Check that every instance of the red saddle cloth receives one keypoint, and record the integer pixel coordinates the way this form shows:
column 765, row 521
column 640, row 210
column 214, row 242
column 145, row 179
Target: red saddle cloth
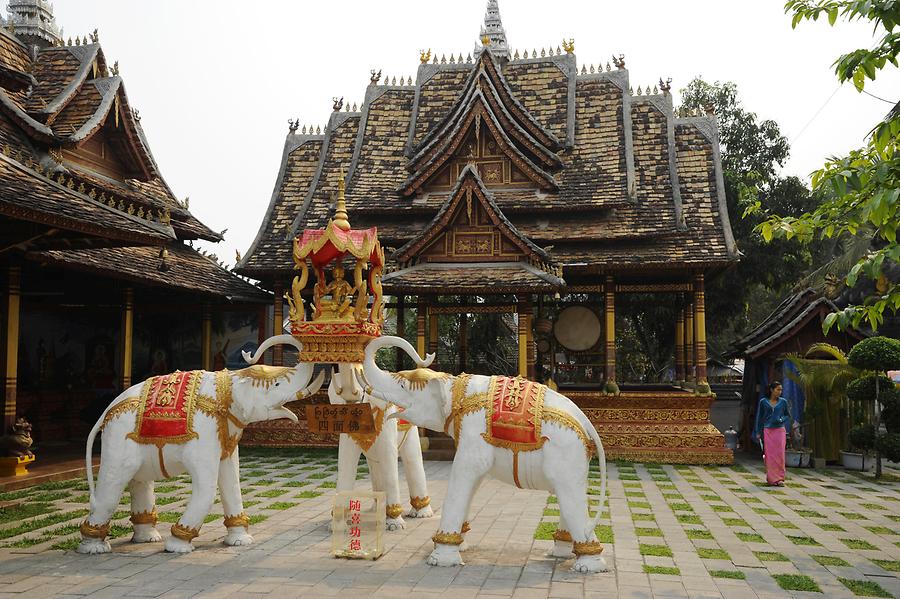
column 166, row 411
column 514, row 413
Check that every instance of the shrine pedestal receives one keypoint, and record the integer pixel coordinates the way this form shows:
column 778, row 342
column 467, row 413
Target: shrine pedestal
column 667, row 426
column 285, row 433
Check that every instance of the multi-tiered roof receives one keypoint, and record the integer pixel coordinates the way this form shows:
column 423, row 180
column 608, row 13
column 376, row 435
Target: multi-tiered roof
column 506, row 174
column 78, row 184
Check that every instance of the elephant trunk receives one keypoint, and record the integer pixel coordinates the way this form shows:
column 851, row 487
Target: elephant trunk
column 383, row 384
column 276, row 340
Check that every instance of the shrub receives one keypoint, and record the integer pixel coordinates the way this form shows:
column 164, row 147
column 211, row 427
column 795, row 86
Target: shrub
column 876, row 353
column 862, row 437
column 863, row 388
column 889, row 446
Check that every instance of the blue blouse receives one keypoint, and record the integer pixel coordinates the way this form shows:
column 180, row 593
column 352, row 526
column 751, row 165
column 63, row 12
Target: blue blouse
column 772, row 417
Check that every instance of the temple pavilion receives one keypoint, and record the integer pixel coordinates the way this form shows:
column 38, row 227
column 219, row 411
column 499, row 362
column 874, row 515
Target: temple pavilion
column 540, row 190
column 101, row 284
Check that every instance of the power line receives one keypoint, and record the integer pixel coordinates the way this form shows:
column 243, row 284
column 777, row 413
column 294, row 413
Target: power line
column 821, row 108
column 876, row 97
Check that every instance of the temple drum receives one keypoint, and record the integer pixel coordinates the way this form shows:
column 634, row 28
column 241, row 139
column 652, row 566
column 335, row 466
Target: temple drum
column 577, row 328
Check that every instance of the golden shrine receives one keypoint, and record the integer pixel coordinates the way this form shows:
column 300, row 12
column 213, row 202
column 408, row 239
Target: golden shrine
column 342, row 321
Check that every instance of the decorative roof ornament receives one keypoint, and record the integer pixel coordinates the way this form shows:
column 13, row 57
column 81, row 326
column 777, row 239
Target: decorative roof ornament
column 569, row 46
column 494, row 32
column 373, row 79
column 665, row 86
column 338, row 103
column 34, row 22
column 619, row 62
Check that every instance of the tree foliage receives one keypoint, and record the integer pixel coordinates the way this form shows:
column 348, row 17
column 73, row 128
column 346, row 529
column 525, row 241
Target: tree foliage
column 863, row 187
column 752, row 150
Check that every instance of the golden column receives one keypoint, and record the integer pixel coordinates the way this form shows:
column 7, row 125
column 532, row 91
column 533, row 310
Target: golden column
column 463, row 342
column 278, row 323
column 433, row 332
column 689, row 374
column 206, row 337
column 609, row 290
column 679, row 347
column 127, row 336
column 13, row 291
column 700, row 333
column 421, row 310
column 401, row 330
column 523, row 341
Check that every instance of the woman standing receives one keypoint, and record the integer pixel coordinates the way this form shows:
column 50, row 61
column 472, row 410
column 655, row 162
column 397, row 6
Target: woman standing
column 773, row 424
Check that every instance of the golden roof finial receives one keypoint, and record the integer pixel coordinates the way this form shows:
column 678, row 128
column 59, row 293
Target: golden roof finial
column 485, row 40
column 341, row 219
column 569, row 46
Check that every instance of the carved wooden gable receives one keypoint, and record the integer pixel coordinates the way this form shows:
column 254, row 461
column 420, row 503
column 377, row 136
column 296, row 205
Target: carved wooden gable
column 470, row 228
column 495, row 167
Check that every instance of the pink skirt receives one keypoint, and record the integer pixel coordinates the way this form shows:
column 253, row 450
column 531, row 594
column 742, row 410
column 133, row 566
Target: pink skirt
column 774, row 440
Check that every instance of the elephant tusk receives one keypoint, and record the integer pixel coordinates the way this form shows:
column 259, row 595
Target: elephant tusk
column 313, row 387
column 276, row 340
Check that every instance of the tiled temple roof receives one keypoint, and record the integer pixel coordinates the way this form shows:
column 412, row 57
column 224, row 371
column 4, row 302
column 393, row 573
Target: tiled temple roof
column 629, row 184
column 55, row 101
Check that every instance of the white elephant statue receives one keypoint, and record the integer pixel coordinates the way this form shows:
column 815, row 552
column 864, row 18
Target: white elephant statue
column 515, row 430
column 186, row 422
column 381, row 449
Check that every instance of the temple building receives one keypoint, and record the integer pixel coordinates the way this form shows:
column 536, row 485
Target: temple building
column 529, row 188
column 101, row 284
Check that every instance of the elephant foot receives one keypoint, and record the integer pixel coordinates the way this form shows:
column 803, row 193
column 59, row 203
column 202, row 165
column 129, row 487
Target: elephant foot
column 238, row 536
column 145, row 533
column 445, row 556
column 176, row 545
column 561, row 549
column 590, row 563
column 93, row 546
column 425, row 512
column 394, row 523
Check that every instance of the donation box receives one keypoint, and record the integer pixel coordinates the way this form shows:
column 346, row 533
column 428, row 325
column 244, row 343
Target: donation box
column 357, row 529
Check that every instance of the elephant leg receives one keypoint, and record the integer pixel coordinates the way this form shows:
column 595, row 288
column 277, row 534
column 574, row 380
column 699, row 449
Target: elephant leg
column 203, row 492
column 389, row 475
column 465, row 474
column 236, row 521
column 414, row 468
column 348, row 460
column 143, row 512
column 562, row 540
column 112, row 479
column 573, row 508
column 464, row 531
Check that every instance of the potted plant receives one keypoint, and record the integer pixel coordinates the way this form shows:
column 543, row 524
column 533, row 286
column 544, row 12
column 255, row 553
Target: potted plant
column 861, row 439
column 875, row 356
column 797, row 455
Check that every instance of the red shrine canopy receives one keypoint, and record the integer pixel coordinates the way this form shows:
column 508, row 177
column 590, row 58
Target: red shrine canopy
column 325, row 245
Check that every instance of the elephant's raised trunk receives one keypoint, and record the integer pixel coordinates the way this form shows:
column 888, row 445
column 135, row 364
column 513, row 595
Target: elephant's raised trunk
column 276, row 340
column 383, row 384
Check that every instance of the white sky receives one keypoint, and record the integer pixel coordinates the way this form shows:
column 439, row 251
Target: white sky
column 216, row 80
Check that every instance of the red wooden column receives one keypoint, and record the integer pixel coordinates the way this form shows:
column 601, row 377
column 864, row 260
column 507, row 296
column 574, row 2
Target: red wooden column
column 13, row 295
column 679, row 347
column 690, row 375
column 421, row 314
column 700, row 333
column 609, row 290
column 127, row 336
column 277, row 320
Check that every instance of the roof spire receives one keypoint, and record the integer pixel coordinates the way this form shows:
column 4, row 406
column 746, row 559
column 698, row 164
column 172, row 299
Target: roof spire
column 341, row 219
column 493, row 31
column 34, row 22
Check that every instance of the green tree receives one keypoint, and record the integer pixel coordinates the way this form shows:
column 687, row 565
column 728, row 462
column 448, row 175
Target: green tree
column 864, row 186
column 752, row 151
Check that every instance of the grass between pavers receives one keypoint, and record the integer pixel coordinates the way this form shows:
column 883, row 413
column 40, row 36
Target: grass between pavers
column 864, row 588
column 271, row 493
column 280, row 505
column 880, row 530
column 545, row 530
column 858, row 544
column 733, row 574
column 306, row 495
column 750, row 537
column 887, row 564
column 38, row 523
column 671, row 570
column 735, row 522
column 296, row 483
column 810, row 514
column 805, row 541
column 637, row 516
column 796, row 582
column 698, row 533
column 707, row 553
column 770, row 556
column 648, row 532
column 830, row 526
column 21, row 511
column 319, row 475
column 689, row 519
column 830, row 560
column 655, row 550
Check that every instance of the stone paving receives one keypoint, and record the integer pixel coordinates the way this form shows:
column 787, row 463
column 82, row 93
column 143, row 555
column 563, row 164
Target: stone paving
column 674, row 531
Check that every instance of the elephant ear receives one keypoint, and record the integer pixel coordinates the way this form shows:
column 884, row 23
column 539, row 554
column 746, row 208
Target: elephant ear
column 262, row 375
column 418, row 379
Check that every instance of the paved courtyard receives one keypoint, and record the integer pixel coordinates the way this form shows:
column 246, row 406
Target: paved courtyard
column 674, row 531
